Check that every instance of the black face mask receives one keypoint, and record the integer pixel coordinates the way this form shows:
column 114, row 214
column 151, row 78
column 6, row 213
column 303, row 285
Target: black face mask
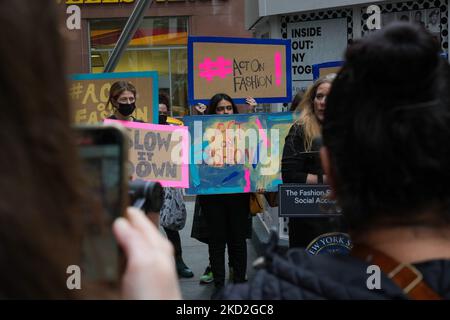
column 162, row 119
column 126, row 109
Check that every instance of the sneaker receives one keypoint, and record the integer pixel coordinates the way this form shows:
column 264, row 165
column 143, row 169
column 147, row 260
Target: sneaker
column 207, row 276
column 183, row 270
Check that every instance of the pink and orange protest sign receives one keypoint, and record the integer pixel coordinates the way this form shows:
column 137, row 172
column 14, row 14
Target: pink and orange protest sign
column 239, row 67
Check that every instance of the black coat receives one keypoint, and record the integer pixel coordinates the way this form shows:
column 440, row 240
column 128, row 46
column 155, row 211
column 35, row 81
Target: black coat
column 200, row 229
column 296, row 163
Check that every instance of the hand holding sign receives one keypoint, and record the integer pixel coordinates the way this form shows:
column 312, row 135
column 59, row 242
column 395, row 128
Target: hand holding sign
column 200, row 107
column 252, row 102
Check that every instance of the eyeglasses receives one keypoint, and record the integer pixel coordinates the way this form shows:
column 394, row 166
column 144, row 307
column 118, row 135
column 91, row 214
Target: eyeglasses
column 222, row 108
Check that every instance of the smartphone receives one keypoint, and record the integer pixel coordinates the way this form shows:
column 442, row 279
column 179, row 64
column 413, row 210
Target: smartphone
column 104, row 154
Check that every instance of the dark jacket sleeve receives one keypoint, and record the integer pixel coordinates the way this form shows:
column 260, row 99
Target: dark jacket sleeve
column 293, row 160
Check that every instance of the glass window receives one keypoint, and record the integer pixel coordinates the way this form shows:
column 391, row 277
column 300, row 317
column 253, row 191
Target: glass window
column 158, row 45
column 105, row 33
column 98, row 60
column 178, row 58
column 153, row 32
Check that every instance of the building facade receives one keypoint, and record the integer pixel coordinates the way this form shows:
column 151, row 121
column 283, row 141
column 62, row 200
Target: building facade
column 159, row 44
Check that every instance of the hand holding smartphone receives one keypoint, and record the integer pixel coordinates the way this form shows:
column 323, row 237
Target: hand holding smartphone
column 104, row 154
column 103, row 150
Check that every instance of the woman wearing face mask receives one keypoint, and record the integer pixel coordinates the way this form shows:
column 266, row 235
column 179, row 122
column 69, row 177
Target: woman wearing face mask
column 122, row 97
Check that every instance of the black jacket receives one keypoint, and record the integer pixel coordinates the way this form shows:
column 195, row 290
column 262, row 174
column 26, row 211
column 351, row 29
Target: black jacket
column 297, row 275
column 296, row 163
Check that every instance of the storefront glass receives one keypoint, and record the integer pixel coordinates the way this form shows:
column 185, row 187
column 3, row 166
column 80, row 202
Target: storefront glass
column 158, row 45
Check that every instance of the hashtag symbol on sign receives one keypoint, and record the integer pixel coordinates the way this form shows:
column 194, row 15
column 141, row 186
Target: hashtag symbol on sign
column 76, row 90
column 210, row 69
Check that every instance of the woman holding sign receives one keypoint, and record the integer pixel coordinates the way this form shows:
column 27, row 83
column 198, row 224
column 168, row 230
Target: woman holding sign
column 122, row 97
column 301, row 164
column 227, row 216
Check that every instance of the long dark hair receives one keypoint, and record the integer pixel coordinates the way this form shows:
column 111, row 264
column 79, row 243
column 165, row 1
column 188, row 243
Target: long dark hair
column 215, row 101
column 387, row 129
column 40, row 217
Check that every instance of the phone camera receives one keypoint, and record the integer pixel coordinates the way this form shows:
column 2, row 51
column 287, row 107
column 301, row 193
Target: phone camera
column 146, row 195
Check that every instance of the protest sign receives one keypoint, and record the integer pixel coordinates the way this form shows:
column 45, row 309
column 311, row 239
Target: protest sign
column 322, row 69
column 158, row 153
column 89, row 95
column 238, row 153
column 305, row 200
column 239, row 67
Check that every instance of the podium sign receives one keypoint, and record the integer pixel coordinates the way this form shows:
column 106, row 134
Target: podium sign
column 305, row 200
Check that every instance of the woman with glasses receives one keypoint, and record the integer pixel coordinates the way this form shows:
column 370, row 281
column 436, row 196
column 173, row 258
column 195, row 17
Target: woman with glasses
column 300, row 162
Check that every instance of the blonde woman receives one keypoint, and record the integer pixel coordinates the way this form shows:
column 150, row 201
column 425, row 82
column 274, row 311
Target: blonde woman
column 301, row 163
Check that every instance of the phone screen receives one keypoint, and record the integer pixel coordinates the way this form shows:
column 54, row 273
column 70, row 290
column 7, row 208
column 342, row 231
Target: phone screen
column 102, row 152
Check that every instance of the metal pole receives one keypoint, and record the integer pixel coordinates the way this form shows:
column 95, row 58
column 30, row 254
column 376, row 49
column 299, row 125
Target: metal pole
column 127, row 33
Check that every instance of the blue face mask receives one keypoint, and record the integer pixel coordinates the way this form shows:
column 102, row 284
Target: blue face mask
column 126, row 109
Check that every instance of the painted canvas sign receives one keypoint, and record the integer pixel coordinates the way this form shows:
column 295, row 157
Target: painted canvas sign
column 236, row 153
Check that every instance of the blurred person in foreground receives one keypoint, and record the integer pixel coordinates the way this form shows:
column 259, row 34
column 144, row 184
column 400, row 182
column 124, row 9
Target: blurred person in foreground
column 41, row 216
column 386, row 156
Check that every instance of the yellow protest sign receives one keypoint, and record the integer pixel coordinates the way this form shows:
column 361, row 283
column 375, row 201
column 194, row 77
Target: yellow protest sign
column 89, row 94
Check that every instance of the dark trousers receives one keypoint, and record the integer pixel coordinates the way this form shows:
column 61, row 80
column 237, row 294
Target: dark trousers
column 174, row 238
column 227, row 220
